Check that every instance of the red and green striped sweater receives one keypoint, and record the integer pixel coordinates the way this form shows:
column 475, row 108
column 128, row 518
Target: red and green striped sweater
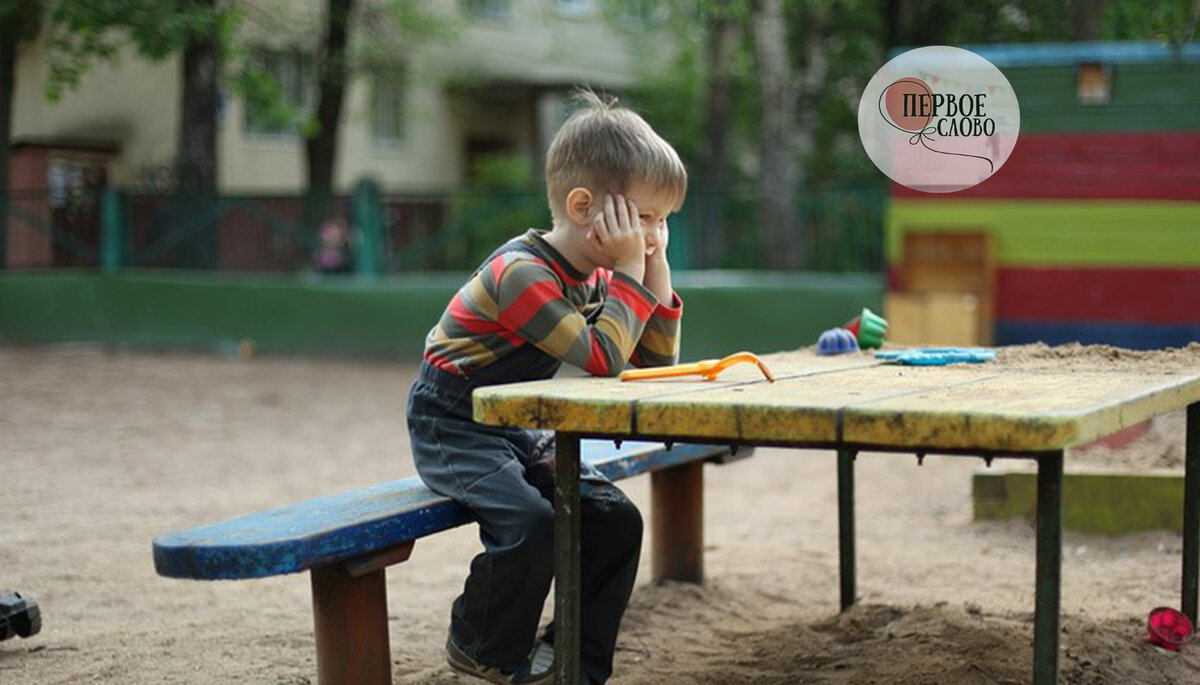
column 532, row 295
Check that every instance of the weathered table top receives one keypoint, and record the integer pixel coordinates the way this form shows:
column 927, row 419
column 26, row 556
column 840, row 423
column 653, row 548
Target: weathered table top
column 855, row 400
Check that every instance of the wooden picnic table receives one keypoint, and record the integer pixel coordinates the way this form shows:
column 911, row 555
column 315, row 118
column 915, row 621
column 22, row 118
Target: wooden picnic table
column 853, row 403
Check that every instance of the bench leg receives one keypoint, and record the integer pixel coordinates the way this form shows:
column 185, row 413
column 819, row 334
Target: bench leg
column 677, row 523
column 351, row 627
column 1191, row 514
column 1049, row 570
column 846, row 533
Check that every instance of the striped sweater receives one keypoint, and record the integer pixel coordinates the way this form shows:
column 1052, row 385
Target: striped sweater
column 532, row 295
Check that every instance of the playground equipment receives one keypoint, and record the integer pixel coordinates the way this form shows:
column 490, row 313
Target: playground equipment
column 19, row 616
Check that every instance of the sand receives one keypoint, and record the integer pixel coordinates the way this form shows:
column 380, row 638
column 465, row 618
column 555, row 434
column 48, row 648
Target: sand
column 100, row 451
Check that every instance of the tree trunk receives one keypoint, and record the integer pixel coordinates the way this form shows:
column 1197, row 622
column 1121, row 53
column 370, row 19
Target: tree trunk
column 723, row 36
column 782, row 246
column 321, row 148
column 1089, row 19
column 196, row 157
column 8, row 68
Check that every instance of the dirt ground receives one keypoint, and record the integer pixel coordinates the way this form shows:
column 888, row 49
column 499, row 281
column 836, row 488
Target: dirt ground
column 100, row 451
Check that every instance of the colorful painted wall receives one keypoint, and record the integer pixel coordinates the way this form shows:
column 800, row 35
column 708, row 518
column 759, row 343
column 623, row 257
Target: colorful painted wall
column 1095, row 217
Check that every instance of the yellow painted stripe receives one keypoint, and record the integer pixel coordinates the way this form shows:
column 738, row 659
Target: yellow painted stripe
column 1060, row 232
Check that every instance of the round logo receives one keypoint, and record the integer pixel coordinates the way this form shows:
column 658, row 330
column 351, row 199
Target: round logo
column 939, row 119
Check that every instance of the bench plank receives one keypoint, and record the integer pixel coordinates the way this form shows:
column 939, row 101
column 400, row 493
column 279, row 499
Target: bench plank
column 300, row 536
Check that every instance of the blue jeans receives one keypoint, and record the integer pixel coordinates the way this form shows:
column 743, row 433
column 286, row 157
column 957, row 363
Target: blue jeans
column 504, row 477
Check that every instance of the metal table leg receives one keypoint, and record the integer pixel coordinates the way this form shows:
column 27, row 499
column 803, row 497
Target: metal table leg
column 566, row 558
column 846, row 527
column 1049, row 569
column 1191, row 514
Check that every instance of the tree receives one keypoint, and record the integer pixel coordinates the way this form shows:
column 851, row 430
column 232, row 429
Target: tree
column 723, row 32
column 321, row 147
column 782, row 247
column 20, row 21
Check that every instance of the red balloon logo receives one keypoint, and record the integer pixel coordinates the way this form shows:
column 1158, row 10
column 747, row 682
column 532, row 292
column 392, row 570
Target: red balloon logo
column 895, row 102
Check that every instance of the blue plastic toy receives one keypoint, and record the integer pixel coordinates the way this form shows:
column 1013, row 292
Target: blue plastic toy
column 837, row 341
column 937, row 356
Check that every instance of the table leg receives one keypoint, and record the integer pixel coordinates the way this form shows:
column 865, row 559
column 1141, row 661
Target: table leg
column 566, row 558
column 846, row 527
column 1049, row 569
column 1191, row 514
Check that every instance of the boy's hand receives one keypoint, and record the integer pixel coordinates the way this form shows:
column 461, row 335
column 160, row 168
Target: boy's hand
column 657, row 238
column 617, row 233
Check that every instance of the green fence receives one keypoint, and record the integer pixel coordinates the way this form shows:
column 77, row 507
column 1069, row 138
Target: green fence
column 372, row 233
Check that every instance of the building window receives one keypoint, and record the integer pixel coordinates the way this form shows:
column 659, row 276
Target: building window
column 1094, row 83
column 487, row 9
column 282, row 103
column 387, row 106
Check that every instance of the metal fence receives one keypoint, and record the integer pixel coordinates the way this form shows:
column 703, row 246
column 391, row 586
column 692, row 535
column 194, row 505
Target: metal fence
column 370, row 232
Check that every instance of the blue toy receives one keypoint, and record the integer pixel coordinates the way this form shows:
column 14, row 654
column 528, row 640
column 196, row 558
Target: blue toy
column 837, row 341
column 937, row 356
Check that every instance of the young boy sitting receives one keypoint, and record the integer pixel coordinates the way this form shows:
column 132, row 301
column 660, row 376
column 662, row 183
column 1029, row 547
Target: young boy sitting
column 595, row 292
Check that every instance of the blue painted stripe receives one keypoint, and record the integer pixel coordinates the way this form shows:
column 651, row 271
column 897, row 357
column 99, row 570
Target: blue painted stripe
column 297, row 537
column 1041, row 54
column 1137, row 336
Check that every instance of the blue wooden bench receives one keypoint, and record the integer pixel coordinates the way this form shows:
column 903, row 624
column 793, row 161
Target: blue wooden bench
column 347, row 541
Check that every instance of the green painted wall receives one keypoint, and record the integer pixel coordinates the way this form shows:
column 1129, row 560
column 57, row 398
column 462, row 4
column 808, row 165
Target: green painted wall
column 1060, row 232
column 1145, row 97
column 723, row 312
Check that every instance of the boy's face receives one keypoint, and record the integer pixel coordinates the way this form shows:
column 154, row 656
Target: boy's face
column 653, row 207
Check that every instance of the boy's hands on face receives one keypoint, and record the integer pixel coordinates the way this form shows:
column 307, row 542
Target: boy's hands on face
column 657, row 237
column 616, row 232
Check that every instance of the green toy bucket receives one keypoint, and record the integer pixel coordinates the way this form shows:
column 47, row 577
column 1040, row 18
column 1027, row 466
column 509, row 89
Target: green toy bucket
column 868, row 328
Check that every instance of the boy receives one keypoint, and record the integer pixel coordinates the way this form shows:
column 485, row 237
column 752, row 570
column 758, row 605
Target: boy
column 595, row 292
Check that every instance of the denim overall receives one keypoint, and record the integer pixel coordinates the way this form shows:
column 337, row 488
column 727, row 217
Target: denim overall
column 502, row 477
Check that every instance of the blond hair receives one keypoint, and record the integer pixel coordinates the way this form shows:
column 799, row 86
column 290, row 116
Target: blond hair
column 606, row 148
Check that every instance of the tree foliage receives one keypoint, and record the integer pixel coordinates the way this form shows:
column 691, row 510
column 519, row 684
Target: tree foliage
column 80, row 33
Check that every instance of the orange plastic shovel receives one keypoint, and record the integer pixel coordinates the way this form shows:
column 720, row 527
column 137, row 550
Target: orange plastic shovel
column 709, row 368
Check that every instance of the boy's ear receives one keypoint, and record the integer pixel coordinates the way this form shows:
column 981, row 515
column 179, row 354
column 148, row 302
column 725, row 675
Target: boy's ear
column 579, row 205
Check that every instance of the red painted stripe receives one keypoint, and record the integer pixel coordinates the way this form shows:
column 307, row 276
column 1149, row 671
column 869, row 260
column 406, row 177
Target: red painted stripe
column 1148, row 166
column 1152, row 296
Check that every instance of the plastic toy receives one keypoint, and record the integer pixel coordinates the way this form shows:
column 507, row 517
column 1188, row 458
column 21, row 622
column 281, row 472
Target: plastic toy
column 709, row 368
column 19, row 616
column 868, row 328
column 1169, row 628
column 937, row 356
column 836, row 341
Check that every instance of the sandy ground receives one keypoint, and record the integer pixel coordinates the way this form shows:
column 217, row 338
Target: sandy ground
column 101, row 451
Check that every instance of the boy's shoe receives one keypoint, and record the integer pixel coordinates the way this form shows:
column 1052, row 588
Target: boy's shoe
column 459, row 660
column 542, row 659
